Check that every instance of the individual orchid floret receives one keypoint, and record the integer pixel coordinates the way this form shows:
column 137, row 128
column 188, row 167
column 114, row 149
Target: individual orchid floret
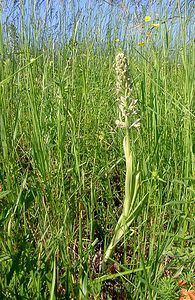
column 120, row 124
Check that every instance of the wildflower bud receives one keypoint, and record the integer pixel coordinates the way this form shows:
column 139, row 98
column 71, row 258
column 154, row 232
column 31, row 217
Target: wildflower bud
column 122, row 80
column 127, row 106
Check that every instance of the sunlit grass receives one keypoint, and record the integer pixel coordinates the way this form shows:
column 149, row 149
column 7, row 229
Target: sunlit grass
column 62, row 166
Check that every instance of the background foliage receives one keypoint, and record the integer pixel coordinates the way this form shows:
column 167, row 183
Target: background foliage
column 62, row 167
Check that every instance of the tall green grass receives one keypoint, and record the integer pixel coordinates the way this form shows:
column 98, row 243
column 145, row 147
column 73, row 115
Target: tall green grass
column 62, row 166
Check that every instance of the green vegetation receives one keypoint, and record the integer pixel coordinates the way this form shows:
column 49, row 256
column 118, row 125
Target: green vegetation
column 63, row 170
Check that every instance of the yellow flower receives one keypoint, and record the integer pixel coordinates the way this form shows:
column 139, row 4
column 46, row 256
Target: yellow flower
column 141, row 44
column 156, row 25
column 147, row 18
column 117, row 41
column 149, row 34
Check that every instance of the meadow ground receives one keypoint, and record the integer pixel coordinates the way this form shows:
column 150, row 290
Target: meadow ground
column 63, row 168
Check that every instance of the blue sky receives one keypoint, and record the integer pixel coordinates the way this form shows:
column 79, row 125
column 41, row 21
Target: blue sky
column 89, row 16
